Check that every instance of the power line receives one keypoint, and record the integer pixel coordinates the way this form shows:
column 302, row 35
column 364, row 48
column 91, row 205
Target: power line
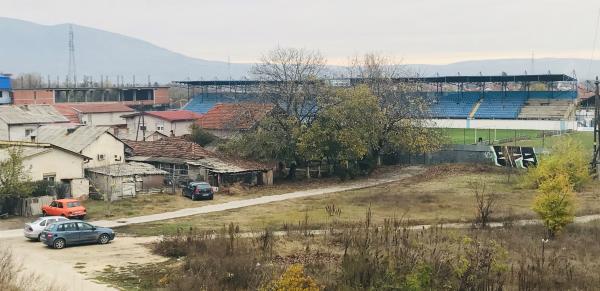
column 72, row 67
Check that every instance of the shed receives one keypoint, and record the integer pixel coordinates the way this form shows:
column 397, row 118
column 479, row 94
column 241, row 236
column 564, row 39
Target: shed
column 126, row 180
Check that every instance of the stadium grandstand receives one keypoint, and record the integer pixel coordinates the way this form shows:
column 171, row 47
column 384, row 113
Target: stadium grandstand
column 454, row 97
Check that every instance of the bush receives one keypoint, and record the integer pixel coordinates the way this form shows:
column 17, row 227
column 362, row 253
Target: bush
column 293, row 279
column 555, row 204
column 201, row 136
column 568, row 157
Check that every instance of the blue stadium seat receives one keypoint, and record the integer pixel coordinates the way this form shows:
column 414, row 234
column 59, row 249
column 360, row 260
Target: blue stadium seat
column 202, row 103
column 454, row 104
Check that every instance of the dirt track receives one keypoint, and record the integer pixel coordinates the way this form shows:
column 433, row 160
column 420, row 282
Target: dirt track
column 80, row 264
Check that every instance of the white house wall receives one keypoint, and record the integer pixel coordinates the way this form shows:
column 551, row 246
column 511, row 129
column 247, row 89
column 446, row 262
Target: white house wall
column 103, row 119
column 54, row 162
column 152, row 123
column 107, row 145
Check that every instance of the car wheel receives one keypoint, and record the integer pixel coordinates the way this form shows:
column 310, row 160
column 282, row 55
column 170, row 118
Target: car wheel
column 103, row 239
column 39, row 237
column 44, row 213
column 59, row 243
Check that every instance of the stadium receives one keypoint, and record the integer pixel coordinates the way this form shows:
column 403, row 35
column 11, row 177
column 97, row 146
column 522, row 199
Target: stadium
column 519, row 102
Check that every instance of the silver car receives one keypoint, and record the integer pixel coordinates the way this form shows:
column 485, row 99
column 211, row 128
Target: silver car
column 33, row 230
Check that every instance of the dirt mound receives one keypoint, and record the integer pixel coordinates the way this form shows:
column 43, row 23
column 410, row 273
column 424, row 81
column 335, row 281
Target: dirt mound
column 444, row 170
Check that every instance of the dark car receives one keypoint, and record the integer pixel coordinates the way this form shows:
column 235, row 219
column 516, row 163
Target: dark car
column 198, row 190
column 72, row 232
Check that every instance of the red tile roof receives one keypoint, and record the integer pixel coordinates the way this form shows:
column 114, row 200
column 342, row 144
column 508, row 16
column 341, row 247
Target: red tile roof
column 234, row 116
column 173, row 115
column 171, row 147
column 68, row 112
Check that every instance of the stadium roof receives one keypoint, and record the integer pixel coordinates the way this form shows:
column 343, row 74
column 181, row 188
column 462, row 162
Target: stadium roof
column 437, row 79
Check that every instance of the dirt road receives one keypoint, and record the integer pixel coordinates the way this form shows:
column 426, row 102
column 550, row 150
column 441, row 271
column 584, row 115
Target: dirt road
column 74, row 268
column 79, row 265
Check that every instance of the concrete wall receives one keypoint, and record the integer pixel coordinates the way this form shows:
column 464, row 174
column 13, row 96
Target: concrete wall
column 33, row 96
column 54, row 162
column 107, row 145
column 477, row 154
column 116, row 186
column 103, row 119
column 80, row 188
column 505, row 124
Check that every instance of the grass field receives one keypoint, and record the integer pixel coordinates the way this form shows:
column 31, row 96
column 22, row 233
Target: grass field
column 586, row 138
column 470, row 136
column 444, row 196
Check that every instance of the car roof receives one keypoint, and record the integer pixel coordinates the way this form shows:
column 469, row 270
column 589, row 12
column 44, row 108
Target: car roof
column 72, row 220
column 66, row 200
column 53, row 217
column 199, row 183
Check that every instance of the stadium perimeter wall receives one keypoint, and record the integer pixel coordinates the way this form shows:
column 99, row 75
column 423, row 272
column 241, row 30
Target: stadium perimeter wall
column 505, row 124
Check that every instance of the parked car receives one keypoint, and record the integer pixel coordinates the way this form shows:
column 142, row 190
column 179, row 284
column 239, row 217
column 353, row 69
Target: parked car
column 70, row 208
column 33, row 230
column 198, row 190
column 61, row 234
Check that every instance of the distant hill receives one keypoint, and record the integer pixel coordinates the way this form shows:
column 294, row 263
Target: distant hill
column 29, row 47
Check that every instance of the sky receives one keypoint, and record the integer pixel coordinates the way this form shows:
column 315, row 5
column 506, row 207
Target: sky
column 411, row 31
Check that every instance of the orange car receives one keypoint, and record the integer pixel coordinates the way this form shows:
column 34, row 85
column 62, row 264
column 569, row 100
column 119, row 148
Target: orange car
column 70, row 208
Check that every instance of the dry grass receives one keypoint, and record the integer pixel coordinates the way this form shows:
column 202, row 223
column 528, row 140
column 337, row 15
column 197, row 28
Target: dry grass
column 440, row 195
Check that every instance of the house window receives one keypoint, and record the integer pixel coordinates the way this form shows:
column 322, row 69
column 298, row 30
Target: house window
column 28, row 132
column 100, row 157
column 49, row 177
column 117, row 158
column 160, row 127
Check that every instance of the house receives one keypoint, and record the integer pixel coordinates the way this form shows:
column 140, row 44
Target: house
column 185, row 160
column 225, row 120
column 126, row 179
column 170, row 123
column 44, row 161
column 99, row 114
column 125, row 134
column 19, row 123
column 95, row 142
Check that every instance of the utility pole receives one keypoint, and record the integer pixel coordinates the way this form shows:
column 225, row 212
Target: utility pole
column 72, row 66
column 596, row 129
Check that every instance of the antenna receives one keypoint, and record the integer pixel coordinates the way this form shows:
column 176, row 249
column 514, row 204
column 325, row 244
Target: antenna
column 72, row 68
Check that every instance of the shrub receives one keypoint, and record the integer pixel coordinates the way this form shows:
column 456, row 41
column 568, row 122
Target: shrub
column 293, row 279
column 555, row 204
column 568, row 157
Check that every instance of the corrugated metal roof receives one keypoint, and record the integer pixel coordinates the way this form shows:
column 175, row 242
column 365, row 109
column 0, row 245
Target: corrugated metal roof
column 127, row 169
column 172, row 115
column 4, row 82
column 31, row 114
column 74, row 138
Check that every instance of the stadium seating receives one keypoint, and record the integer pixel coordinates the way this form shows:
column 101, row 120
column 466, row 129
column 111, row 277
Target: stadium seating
column 454, row 105
column 501, row 105
column 202, row 103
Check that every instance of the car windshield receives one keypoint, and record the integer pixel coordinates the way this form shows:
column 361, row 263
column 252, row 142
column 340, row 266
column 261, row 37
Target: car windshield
column 73, row 204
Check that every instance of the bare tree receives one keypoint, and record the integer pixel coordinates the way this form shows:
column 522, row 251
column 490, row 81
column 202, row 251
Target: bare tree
column 484, row 202
column 406, row 124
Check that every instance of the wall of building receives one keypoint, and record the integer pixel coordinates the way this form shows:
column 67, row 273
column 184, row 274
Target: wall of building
column 80, row 188
column 3, row 130
column 61, row 164
column 5, row 97
column 18, row 131
column 165, row 127
column 33, row 96
column 103, row 119
column 161, row 96
column 505, row 124
column 107, row 145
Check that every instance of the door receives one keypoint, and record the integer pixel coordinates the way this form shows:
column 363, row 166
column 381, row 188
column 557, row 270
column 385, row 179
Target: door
column 86, row 232
column 71, row 234
column 54, row 209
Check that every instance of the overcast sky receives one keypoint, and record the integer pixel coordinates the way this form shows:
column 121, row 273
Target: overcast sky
column 414, row 31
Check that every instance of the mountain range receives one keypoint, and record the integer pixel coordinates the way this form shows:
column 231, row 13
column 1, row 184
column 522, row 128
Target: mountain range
column 29, row 47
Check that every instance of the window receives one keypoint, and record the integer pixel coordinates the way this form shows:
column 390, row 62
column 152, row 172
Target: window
column 100, row 157
column 160, row 127
column 70, row 226
column 28, row 132
column 84, row 226
column 50, row 221
column 53, row 204
column 73, row 204
column 43, row 223
column 49, row 177
column 59, row 205
column 61, row 228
